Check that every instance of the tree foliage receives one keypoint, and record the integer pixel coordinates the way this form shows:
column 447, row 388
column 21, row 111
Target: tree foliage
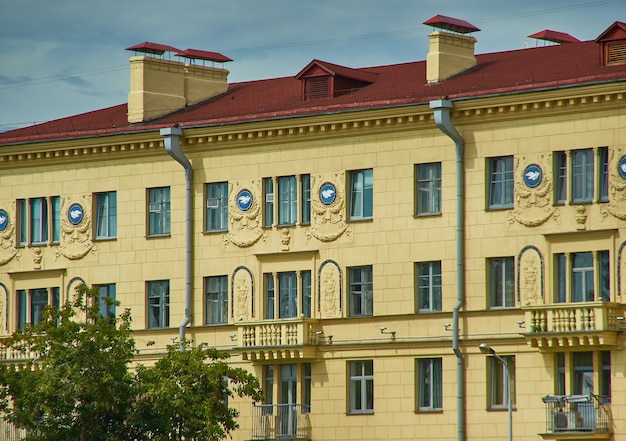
column 76, row 382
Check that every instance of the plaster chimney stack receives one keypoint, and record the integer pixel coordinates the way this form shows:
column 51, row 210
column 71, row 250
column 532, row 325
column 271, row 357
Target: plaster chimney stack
column 159, row 86
column 450, row 50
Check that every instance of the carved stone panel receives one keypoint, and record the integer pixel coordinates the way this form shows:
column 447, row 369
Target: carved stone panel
column 75, row 227
column 328, row 207
column 244, row 213
column 530, row 276
column 617, row 185
column 330, row 299
column 242, row 294
column 7, row 235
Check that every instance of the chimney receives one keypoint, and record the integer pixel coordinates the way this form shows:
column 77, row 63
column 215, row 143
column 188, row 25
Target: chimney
column 159, row 86
column 450, row 50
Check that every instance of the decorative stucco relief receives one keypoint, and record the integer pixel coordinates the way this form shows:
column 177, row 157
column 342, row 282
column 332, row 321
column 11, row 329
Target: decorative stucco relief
column 4, row 315
column 617, row 186
column 329, row 298
column 530, row 276
column 243, row 294
column 75, row 228
column 533, row 192
column 327, row 208
column 244, row 214
column 7, row 239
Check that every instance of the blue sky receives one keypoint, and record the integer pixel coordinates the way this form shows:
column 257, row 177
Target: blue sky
column 65, row 57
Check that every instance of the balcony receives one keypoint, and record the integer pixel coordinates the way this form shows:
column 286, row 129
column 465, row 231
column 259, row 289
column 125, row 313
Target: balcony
column 576, row 417
column 275, row 340
column 280, row 422
column 559, row 326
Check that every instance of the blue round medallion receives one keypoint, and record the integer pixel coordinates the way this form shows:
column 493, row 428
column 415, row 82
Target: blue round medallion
column 4, row 220
column 244, row 200
column 75, row 214
column 533, row 175
column 621, row 167
column 327, row 193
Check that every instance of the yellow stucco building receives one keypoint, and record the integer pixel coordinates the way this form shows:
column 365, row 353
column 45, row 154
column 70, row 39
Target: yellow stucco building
column 353, row 235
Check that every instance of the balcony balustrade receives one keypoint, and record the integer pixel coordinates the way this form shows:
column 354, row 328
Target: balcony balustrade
column 278, row 339
column 574, row 416
column 280, row 422
column 572, row 325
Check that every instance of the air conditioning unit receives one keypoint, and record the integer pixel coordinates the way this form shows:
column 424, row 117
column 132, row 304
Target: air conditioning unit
column 269, row 198
column 212, row 203
column 566, row 421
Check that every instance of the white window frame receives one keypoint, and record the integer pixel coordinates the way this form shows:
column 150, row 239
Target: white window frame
column 106, row 215
column 428, row 188
column 361, row 193
column 501, row 185
column 216, row 206
column 158, row 294
column 159, row 211
column 430, row 383
column 429, row 286
column 361, row 386
column 497, row 387
column 361, row 291
column 216, row 300
column 501, row 282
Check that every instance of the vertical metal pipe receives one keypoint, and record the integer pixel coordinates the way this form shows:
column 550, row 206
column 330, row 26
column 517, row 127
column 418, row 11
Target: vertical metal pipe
column 171, row 142
column 441, row 109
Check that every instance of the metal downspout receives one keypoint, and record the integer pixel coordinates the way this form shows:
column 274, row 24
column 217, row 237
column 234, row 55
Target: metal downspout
column 172, row 146
column 441, row 110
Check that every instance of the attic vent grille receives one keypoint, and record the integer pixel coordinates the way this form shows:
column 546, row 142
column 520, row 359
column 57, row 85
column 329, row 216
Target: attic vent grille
column 616, row 53
column 317, row 87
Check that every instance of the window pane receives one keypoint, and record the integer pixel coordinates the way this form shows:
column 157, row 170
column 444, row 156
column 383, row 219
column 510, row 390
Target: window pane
column 216, row 299
column 268, row 211
column 429, row 286
column 38, row 302
column 428, row 188
column 107, row 309
column 603, row 174
column 582, row 175
column 499, row 386
column 158, row 304
column 159, row 211
column 55, row 202
column 361, row 291
column 501, row 182
column 22, row 219
column 269, row 296
column 106, row 215
column 38, row 220
column 501, row 282
column 306, row 293
column 287, row 200
column 217, row 206
column 560, row 170
column 561, row 281
column 429, row 384
column 582, row 277
column 361, row 386
column 605, row 283
column 288, row 295
column 361, row 194
column 306, row 199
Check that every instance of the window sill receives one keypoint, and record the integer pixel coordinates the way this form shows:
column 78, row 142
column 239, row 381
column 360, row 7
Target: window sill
column 215, row 231
column 427, row 411
column 105, row 239
column 433, row 214
column 365, row 412
column 500, row 408
column 500, row 208
column 157, row 236
column 360, row 219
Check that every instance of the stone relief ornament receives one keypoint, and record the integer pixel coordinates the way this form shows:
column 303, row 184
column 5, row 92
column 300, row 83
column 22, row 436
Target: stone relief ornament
column 530, row 276
column 327, row 208
column 244, row 214
column 242, row 294
column 533, row 192
column 7, row 239
column 330, row 290
column 75, row 228
column 617, row 186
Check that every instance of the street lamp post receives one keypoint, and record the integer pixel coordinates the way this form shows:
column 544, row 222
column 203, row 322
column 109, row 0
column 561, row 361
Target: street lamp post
column 486, row 349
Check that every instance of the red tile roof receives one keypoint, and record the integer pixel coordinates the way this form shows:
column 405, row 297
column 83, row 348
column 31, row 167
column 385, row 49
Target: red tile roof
column 555, row 36
column 507, row 72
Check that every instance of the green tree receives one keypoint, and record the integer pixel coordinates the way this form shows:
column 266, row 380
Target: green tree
column 76, row 382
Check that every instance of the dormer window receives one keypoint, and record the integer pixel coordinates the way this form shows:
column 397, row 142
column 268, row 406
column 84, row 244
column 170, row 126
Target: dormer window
column 613, row 44
column 321, row 80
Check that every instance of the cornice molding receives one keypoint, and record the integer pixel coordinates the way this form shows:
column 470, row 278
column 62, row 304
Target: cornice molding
column 540, row 104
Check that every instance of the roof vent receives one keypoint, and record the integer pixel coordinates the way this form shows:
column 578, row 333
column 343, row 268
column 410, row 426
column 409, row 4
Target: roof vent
column 613, row 44
column 451, row 51
column 554, row 37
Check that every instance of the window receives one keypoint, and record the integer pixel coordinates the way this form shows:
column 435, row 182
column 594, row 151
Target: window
column 38, row 220
column 216, row 292
column 501, row 282
column 576, row 279
column 584, row 177
column 287, row 200
column 217, row 206
column 306, row 392
column 306, row 199
column 159, row 304
column 361, row 387
column 158, row 211
column 106, row 215
column 106, row 299
column 32, row 302
column 268, row 197
column 429, row 384
column 429, row 286
column 361, row 301
column 268, row 384
column 428, row 188
column 501, row 182
column 293, row 287
column 578, row 370
column 498, row 393
column 361, row 194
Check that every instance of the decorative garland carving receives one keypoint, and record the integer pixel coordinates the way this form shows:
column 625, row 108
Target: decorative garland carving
column 7, row 240
column 75, row 239
column 617, row 188
column 245, row 226
column 327, row 219
column 532, row 205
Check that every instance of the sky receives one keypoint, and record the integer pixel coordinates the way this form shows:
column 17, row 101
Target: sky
column 65, row 57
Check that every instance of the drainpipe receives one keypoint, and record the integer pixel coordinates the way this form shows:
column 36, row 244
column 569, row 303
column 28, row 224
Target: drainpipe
column 172, row 146
column 441, row 110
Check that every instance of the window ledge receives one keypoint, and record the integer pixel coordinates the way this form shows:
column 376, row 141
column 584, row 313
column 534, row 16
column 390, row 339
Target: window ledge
column 157, row 236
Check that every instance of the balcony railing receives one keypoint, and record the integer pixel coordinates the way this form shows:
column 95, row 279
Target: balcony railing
column 562, row 325
column 278, row 339
column 280, row 421
column 577, row 414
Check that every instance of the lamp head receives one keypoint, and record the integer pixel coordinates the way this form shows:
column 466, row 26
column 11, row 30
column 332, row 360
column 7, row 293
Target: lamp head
column 485, row 349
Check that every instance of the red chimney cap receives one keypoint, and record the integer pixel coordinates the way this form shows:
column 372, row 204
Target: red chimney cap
column 555, row 36
column 203, row 55
column 451, row 24
column 152, row 48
